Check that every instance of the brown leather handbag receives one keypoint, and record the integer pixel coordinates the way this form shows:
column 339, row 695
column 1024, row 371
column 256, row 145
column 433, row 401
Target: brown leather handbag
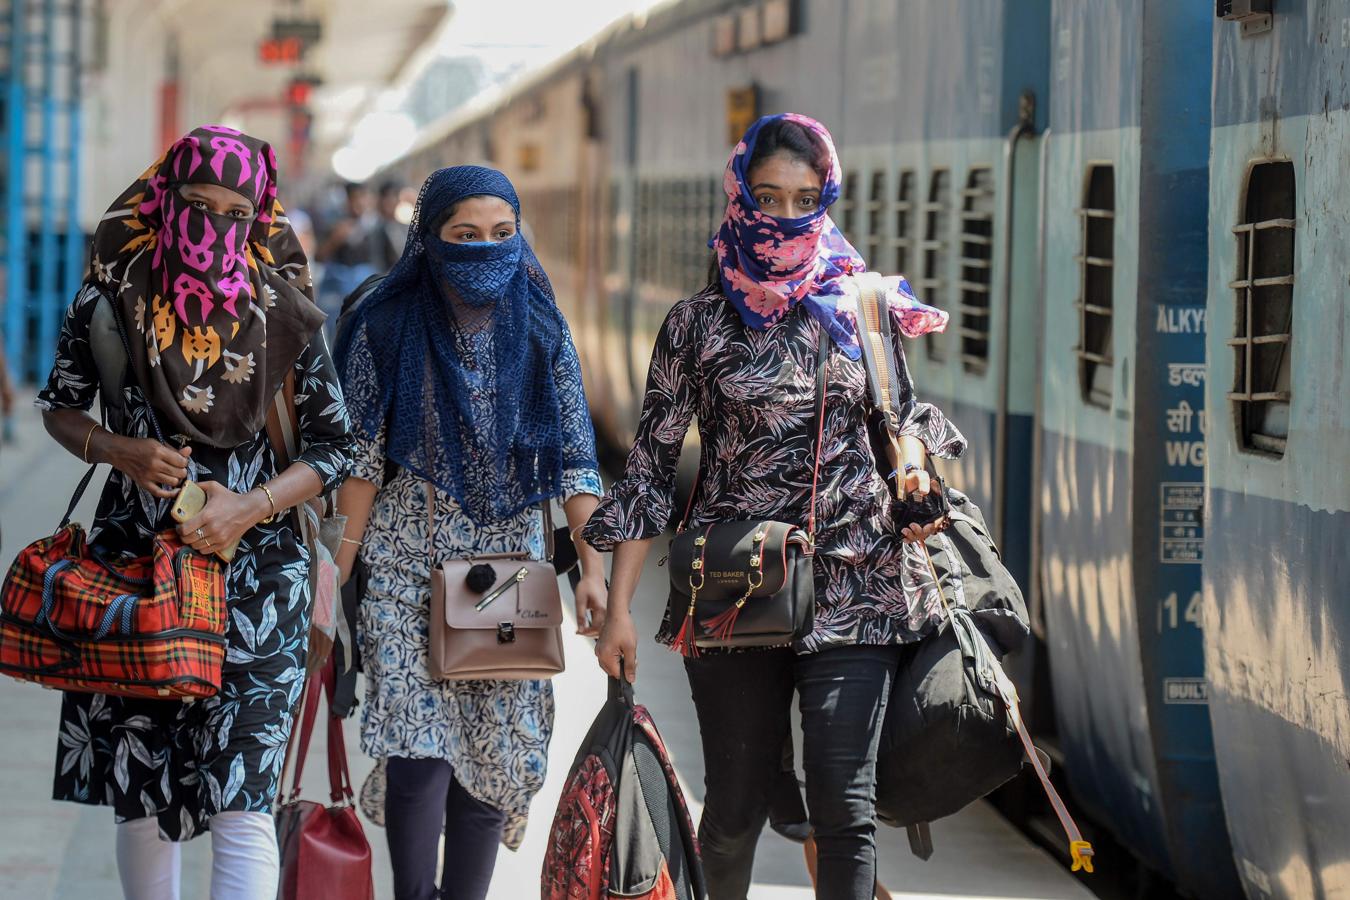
column 747, row 583
column 496, row 616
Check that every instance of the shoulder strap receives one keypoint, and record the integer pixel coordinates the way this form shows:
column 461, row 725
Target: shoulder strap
column 822, row 361
column 545, row 511
column 281, row 423
column 878, row 350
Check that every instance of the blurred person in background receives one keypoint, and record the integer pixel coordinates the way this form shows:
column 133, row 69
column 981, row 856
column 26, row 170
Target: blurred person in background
column 172, row 770
column 352, row 251
column 393, row 231
column 467, row 402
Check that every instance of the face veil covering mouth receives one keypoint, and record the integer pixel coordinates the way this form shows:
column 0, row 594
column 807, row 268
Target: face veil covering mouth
column 462, row 338
column 767, row 265
column 217, row 306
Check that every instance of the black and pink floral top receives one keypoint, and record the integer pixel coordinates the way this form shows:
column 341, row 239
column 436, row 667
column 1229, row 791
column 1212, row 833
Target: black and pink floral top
column 754, row 394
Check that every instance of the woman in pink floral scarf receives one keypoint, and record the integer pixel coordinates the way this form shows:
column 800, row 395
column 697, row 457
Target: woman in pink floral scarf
column 741, row 355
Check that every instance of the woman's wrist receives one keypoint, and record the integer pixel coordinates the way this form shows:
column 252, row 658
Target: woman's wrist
column 260, row 507
column 106, row 447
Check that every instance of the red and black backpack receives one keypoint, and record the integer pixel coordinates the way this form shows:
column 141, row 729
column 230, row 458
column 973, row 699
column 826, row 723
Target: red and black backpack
column 622, row 828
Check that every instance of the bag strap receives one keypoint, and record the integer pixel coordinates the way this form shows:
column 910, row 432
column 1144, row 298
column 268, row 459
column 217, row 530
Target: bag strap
column 103, row 405
column 822, row 362
column 339, row 775
column 545, row 512
column 878, row 350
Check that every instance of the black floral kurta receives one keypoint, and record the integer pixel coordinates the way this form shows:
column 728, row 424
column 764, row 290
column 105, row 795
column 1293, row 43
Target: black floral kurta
column 184, row 762
column 754, row 394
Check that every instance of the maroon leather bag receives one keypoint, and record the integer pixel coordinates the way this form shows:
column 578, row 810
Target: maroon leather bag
column 324, row 851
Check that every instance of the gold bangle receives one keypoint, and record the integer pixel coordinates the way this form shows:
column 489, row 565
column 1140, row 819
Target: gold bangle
column 87, row 438
column 272, row 501
column 347, row 540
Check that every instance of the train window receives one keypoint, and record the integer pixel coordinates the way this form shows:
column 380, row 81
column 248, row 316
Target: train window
column 876, row 202
column 1096, row 271
column 612, row 224
column 848, row 207
column 977, row 260
column 1265, row 309
column 936, row 212
column 901, row 235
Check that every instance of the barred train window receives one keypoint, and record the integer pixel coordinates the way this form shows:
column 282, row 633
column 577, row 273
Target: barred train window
column 1265, row 309
column 936, row 212
column 977, row 260
column 902, row 237
column 1095, row 302
column 876, row 201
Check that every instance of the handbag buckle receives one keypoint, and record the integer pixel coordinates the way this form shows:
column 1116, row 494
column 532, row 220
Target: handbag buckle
column 506, row 633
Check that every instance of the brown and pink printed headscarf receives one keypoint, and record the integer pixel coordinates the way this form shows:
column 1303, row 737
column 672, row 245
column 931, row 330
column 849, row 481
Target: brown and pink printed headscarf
column 222, row 304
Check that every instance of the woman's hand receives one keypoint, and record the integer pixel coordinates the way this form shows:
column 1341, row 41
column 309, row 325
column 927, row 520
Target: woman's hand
column 911, row 455
column 618, row 642
column 592, row 596
column 154, row 467
column 224, row 519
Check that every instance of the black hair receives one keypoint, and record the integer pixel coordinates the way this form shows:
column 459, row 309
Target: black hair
column 795, row 140
column 353, row 188
column 389, row 187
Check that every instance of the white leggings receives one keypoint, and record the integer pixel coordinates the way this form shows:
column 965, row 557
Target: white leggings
column 245, row 863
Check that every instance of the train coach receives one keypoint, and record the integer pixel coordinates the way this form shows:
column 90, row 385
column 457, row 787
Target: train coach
column 1132, row 210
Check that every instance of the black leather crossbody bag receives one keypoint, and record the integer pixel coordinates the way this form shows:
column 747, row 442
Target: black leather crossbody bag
column 747, row 583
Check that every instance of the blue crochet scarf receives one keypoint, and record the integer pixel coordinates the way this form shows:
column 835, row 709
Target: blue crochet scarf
column 464, row 339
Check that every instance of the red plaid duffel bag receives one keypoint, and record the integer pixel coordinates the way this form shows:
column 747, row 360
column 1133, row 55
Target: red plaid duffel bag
column 150, row 626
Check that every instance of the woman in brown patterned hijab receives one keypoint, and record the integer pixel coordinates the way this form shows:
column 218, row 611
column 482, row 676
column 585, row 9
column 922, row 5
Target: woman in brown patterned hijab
column 221, row 302
column 212, row 287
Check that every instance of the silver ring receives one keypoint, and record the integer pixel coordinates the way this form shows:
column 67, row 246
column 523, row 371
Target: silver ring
column 201, row 533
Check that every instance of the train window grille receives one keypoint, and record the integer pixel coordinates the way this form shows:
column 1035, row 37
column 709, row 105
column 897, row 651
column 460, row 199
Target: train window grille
column 977, row 260
column 876, row 207
column 902, row 223
column 1096, row 274
column 646, row 214
column 1265, row 308
column 931, row 286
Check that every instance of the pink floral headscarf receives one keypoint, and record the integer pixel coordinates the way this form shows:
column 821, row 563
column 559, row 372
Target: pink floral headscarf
column 769, row 265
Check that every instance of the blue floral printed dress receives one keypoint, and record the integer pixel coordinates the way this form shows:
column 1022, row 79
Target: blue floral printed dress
column 495, row 734
column 185, row 762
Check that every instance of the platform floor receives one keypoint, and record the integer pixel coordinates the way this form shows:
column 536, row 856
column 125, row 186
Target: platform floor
column 61, row 851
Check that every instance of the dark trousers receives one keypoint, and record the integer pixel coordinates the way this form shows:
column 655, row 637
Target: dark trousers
column 422, row 796
column 744, row 704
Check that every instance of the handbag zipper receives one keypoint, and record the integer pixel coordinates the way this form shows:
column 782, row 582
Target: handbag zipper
column 143, row 637
column 521, row 574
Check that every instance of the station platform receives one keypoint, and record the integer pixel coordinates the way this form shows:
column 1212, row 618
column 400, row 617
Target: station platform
column 63, row 851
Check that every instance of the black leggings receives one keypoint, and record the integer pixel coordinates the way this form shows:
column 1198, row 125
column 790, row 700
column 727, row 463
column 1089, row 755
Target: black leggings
column 422, row 796
column 744, row 703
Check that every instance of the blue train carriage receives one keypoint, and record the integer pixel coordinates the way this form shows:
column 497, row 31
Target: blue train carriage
column 1277, row 505
column 1122, row 414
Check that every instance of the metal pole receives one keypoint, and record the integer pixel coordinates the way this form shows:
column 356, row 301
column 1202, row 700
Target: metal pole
column 47, row 249
column 75, row 246
column 16, row 230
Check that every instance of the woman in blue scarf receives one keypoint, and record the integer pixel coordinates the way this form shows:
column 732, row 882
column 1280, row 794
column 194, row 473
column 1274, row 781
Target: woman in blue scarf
column 460, row 375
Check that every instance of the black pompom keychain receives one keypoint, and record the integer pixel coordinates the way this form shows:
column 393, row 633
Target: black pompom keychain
column 481, row 577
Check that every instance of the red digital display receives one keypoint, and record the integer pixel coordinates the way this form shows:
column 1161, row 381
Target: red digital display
column 274, row 51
